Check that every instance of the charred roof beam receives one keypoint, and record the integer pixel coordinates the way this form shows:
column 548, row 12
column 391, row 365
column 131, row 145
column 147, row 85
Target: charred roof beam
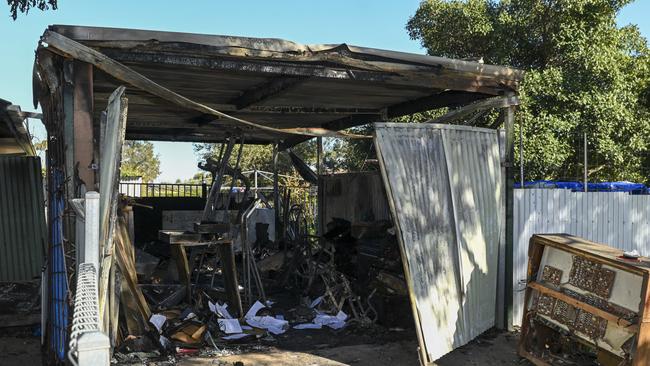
column 260, row 93
column 449, row 98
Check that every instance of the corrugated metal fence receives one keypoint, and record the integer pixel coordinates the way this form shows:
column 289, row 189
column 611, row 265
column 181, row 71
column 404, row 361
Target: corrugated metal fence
column 617, row 219
column 444, row 188
column 22, row 218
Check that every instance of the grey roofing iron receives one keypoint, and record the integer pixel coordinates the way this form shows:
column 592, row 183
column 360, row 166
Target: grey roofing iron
column 276, row 83
column 14, row 136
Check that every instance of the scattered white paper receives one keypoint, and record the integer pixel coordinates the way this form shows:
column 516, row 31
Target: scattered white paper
column 246, row 327
column 190, row 316
column 158, row 320
column 166, row 343
column 254, row 309
column 279, row 317
column 269, row 303
column 220, row 310
column 229, row 326
column 333, row 321
column 276, row 331
column 308, row 326
column 316, row 301
column 236, row 336
column 273, row 325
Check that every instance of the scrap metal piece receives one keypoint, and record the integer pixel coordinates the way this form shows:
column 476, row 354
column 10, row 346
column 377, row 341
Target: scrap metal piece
column 604, row 282
column 545, row 304
column 583, row 273
column 590, row 325
column 564, row 313
column 552, row 275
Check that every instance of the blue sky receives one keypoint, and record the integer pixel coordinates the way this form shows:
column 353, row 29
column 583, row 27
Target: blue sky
column 369, row 23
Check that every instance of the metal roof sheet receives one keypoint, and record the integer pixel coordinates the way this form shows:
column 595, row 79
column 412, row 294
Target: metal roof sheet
column 277, row 83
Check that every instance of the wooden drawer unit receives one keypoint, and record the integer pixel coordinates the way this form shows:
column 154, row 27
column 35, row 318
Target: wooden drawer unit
column 585, row 299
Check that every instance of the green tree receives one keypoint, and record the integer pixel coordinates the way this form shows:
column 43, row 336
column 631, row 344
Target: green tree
column 584, row 74
column 140, row 160
column 23, row 6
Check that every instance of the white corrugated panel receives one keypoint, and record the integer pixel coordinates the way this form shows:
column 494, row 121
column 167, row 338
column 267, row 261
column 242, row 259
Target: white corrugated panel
column 444, row 187
column 617, row 219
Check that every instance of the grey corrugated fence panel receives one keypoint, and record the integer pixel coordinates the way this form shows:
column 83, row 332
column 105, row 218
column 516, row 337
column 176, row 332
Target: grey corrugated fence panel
column 444, row 184
column 22, row 218
column 354, row 197
column 613, row 218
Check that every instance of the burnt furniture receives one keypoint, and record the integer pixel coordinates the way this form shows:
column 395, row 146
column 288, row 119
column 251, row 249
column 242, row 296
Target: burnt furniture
column 583, row 300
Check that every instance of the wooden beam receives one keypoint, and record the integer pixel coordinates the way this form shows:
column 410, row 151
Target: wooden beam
column 149, row 100
column 267, row 90
column 615, row 319
column 450, row 98
column 481, row 105
column 338, row 124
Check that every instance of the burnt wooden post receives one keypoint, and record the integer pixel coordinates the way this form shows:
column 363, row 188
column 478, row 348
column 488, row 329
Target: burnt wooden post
column 84, row 147
column 227, row 256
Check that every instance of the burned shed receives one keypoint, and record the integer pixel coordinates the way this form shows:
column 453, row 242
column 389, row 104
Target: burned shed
column 99, row 86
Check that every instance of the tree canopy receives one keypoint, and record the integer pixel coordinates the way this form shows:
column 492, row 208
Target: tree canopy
column 584, row 74
column 140, row 160
column 23, row 6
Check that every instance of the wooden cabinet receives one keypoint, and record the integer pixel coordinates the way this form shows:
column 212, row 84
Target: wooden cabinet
column 584, row 300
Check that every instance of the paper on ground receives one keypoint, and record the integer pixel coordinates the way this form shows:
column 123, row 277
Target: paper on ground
column 158, row 320
column 334, row 322
column 254, row 309
column 307, row 326
column 236, row 336
column 229, row 326
column 220, row 309
column 166, row 343
column 273, row 325
column 316, row 301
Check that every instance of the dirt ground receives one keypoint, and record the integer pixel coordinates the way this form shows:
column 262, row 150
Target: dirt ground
column 488, row 350
column 22, row 347
column 19, row 346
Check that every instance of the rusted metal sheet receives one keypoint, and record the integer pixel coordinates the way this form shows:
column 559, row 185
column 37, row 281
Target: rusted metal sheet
column 354, row 197
column 444, row 188
column 22, row 219
column 273, row 83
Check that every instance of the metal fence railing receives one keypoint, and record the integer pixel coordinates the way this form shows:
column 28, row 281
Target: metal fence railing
column 136, row 189
column 88, row 345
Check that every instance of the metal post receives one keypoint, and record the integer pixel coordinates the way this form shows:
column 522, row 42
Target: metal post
column 521, row 155
column 276, row 193
column 91, row 237
column 255, row 177
column 586, row 189
column 320, row 225
column 509, row 120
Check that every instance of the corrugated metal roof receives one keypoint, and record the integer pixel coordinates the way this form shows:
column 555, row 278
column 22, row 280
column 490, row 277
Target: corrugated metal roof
column 22, row 219
column 444, row 187
column 14, row 137
column 277, row 83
